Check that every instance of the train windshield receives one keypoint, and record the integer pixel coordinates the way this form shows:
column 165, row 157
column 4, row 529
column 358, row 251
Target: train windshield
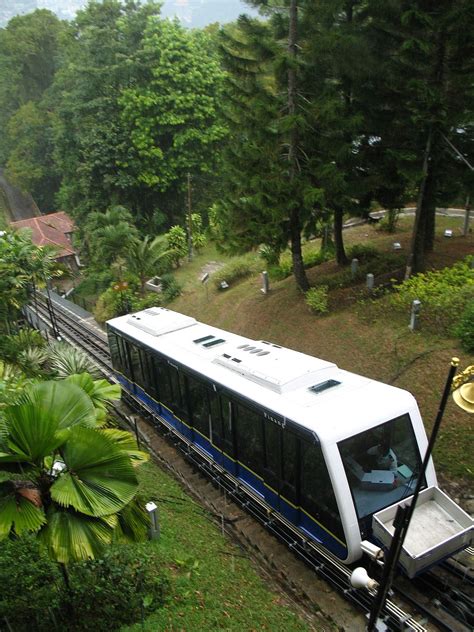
column 381, row 465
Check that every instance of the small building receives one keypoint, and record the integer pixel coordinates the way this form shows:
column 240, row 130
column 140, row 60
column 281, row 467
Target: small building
column 54, row 229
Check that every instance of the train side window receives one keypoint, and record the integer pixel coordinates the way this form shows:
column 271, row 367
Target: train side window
column 198, row 400
column 149, row 371
column 178, row 392
column 123, row 356
column 222, row 416
column 163, row 381
column 127, row 360
column 115, row 351
column 272, row 447
column 137, row 375
column 272, row 442
column 290, row 466
column 249, row 437
column 317, row 494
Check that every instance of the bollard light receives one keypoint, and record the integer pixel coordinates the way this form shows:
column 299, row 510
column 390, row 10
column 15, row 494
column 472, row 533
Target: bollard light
column 415, row 314
column 265, row 282
column 154, row 530
column 370, row 281
column 448, row 233
column 354, row 267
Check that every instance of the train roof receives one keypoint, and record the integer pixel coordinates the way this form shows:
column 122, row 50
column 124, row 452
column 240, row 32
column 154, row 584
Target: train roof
column 314, row 393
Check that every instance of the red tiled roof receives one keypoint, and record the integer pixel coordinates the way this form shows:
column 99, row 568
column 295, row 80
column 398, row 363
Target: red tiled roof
column 50, row 230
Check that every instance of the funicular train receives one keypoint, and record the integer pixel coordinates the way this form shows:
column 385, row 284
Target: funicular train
column 325, row 448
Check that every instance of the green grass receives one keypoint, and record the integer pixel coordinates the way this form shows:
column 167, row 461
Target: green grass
column 214, row 585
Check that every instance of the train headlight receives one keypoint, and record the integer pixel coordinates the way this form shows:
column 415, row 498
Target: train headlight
column 360, row 579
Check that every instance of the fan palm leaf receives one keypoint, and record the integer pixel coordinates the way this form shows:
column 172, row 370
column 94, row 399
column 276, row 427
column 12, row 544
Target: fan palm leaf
column 99, row 479
column 66, row 403
column 71, row 537
column 133, row 523
column 126, row 442
column 31, row 434
column 101, row 392
column 18, row 513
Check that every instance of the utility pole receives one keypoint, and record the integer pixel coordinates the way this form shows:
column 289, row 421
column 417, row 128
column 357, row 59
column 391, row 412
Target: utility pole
column 190, row 223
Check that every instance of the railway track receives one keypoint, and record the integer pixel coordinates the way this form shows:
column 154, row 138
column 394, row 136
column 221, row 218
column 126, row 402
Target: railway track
column 443, row 596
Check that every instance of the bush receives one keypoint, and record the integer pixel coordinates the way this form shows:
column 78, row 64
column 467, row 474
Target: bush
column 465, row 328
column 317, row 299
column 177, row 244
column 117, row 589
column 444, row 295
column 32, row 587
column 362, row 252
column 171, row 289
column 235, row 270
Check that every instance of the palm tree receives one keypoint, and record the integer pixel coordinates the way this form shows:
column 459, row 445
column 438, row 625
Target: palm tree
column 65, row 479
column 108, row 235
column 143, row 257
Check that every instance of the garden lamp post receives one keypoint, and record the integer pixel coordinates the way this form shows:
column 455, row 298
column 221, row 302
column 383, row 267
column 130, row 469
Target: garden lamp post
column 463, row 395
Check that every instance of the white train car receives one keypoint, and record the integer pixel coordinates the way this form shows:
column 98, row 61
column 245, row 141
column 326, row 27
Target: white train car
column 325, row 448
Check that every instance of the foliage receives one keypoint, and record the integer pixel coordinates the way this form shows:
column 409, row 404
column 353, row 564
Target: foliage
column 444, row 294
column 120, row 587
column 93, row 282
column 109, row 235
column 125, row 583
column 171, row 288
column 66, row 480
column 317, row 299
column 177, row 244
column 12, row 384
column 65, row 360
column 237, row 269
column 465, row 328
column 148, row 257
column 32, row 587
column 362, row 252
column 11, row 346
column 199, row 237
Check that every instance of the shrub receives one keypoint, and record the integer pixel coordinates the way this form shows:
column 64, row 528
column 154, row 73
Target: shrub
column 269, row 254
column 116, row 589
column 317, row 299
column 281, row 271
column 362, row 252
column 465, row 328
column 171, row 289
column 444, row 295
column 32, row 587
column 177, row 243
column 235, row 270
column 317, row 257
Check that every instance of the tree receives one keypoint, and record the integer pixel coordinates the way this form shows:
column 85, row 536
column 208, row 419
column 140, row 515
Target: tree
column 109, row 235
column 144, row 255
column 29, row 54
column 65, row 479
column 172, row 112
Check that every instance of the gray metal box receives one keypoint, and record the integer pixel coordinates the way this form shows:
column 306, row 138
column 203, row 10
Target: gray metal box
column 438, row 528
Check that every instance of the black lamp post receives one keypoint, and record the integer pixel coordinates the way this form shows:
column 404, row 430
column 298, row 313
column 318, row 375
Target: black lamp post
column 405, row 513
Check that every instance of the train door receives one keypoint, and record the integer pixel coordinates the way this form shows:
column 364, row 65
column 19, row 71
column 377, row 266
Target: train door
column 222, row 429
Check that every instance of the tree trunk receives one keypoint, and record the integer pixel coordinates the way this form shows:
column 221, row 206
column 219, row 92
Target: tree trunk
column 416, row 258
column 341, row 256
column 295, row 215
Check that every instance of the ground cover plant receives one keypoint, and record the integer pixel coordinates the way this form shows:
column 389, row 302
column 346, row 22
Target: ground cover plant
column 213, row 583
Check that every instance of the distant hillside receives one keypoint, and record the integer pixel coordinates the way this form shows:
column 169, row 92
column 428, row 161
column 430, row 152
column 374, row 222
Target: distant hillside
column 191, row 13
column 14, row 203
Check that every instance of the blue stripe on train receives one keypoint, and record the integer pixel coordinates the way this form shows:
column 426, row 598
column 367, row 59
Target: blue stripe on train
column 278, row 503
